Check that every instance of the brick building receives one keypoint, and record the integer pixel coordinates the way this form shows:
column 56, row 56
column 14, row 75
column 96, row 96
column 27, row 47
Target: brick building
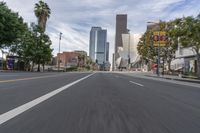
column 68, row 59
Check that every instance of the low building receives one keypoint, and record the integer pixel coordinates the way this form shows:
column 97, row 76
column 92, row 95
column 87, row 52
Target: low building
column 67, row 59
column 185, row 61
column 71, row 59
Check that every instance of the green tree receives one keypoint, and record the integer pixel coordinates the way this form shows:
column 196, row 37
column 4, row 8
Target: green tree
column 43, row 52
column 12, row 26
column 42, row 12
column 46, row 50
column 190, row 36
column 34, row 48
column 146, row 49
column 149, row 53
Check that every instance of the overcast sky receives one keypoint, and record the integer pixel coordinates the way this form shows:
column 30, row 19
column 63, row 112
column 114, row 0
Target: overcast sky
column 74, row 18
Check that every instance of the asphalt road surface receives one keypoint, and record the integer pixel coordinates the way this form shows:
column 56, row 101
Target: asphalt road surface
column 96, row 103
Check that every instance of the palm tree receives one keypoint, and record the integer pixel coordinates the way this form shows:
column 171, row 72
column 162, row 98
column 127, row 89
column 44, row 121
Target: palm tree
column 42, row 12
column 81, row 60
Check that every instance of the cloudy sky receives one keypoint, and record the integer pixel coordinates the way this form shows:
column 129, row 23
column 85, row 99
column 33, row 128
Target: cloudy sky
column 74, row 18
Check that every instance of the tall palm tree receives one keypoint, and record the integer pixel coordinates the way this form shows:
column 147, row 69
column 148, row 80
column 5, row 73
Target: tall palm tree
column 42, row 12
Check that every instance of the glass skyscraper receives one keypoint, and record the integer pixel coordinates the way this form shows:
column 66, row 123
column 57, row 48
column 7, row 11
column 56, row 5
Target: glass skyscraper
column 98, row 42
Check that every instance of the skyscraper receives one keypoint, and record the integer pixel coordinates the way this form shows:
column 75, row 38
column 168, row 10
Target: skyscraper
column 121, row 28
column 93, row 41
column 107, row 51
column 98, row 39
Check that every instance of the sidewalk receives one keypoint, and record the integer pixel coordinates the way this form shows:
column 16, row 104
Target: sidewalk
column 171, row 77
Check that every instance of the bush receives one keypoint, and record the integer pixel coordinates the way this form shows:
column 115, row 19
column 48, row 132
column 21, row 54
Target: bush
column 71, row 69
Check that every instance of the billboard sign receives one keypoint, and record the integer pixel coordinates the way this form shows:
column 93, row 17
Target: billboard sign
column 159, row 37
column 10, row 63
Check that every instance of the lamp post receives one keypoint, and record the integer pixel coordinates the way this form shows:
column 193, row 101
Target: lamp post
column 60, row 37
column 158, row 59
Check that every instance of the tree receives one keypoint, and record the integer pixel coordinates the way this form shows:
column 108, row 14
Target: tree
column 43, row 51
column 46, row 50
column 190, row 36
column 168, row 52
column 81, row 60
column 34, row 48
column 145, row 46
column 42, row 12
column 148, row 52
column 12, row 26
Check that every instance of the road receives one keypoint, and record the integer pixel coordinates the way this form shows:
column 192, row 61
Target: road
column 96, row 103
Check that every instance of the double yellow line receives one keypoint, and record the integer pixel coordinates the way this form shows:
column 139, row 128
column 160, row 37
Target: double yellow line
column 23, row 79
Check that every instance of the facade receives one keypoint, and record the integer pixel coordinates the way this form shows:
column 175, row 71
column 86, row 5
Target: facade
column 113, row 62
column 68, row 59
column 128, row 53
column 185, row 61
column 93, row 41
column 98, row 45
column 107, row 51
column 121, row 28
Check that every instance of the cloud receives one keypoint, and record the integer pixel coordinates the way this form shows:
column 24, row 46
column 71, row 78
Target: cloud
column 74, row 18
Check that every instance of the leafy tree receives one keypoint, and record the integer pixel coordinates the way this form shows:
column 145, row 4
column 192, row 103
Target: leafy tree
column 34, row 48
column 190, row 36
column 12, row 26
column 43, row 52
column 46, row 50
column 145, row 47
column 148, row 52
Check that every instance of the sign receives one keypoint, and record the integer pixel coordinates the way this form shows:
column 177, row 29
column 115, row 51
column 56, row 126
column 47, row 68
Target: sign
column 159, row 37
column 10, row 63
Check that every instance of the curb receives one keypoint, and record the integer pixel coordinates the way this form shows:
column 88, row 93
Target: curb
column 185, row 80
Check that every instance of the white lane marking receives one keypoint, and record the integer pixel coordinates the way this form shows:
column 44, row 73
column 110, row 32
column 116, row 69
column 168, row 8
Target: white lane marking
column 17, row 111
column 136, row 83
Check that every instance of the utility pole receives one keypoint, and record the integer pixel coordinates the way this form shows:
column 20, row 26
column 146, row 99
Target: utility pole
column 60, row 37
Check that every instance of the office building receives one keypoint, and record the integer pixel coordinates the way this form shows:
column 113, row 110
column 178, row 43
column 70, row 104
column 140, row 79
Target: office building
column 121, row 28
column 98, row 41
column 93, row 41
column 107, row 51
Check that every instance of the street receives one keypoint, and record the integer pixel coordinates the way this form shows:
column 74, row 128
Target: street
column 96, row 102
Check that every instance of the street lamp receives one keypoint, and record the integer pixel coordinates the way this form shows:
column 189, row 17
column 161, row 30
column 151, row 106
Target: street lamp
column 158, row 60
column 60, row 37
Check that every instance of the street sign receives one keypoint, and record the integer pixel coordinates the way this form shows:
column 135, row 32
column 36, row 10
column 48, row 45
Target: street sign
column 159, row 37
